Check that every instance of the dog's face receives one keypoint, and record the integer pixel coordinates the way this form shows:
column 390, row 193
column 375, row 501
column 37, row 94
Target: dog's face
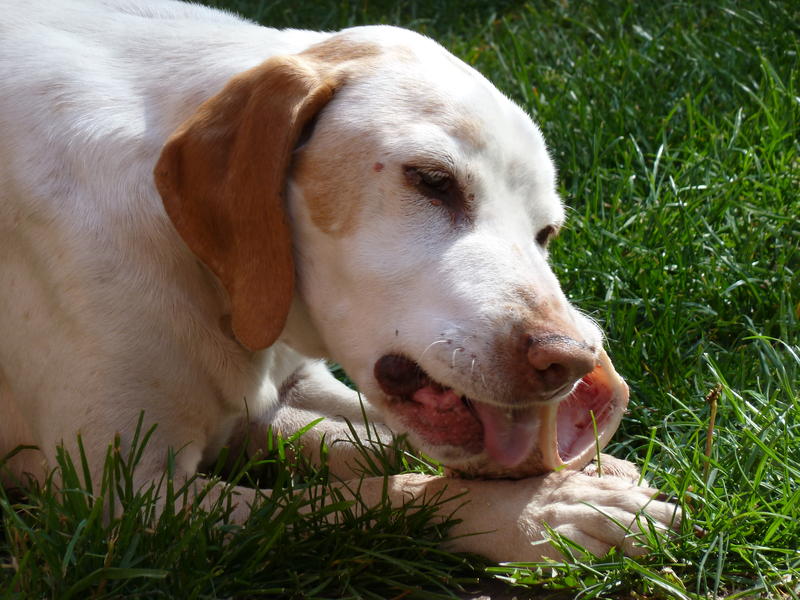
column 421, row 203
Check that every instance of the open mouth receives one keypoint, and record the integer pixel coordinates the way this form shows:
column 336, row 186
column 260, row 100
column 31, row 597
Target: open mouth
column 518, row 441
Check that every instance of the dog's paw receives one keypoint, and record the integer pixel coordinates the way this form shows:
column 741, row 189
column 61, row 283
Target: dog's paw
column 599, row 513
column 515, row 520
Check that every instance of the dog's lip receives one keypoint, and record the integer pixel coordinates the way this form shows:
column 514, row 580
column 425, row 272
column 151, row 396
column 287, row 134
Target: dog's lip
column 584, row 421
column 514, row 441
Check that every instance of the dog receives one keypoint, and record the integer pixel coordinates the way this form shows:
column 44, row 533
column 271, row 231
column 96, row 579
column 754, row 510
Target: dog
column 195, row 211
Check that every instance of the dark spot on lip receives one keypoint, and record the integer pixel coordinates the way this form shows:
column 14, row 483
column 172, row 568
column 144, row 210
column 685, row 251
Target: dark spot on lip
column 399, row 376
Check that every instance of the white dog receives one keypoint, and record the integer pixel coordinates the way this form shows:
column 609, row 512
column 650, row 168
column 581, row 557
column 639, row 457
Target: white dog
column 194, row 210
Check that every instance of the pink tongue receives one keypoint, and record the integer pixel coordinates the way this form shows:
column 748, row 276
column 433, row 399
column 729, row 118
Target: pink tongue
column 508, row 436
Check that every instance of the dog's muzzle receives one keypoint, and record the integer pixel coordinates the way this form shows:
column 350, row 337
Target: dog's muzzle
column 495, row 440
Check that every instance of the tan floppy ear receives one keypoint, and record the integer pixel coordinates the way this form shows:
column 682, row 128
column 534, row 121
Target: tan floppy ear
column 221, row 176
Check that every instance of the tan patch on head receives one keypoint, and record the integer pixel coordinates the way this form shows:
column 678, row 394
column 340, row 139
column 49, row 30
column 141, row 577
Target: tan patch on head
column 341, row 49
column 332, row 184
column 338, row 49
column 331, row 195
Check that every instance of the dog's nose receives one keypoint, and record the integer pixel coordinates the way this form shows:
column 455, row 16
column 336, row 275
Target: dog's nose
column 558, row 361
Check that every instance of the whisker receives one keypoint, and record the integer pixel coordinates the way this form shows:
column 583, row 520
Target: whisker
column 594, row 321
column 431, row 345
column 453, row 358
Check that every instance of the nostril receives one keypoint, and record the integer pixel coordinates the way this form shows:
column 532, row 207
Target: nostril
column 558, row 360
column 554, row 376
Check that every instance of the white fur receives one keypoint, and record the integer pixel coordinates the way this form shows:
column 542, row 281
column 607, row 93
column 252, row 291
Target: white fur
column 104, row 313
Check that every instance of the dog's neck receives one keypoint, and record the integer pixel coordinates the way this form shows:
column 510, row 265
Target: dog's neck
column 300, row 333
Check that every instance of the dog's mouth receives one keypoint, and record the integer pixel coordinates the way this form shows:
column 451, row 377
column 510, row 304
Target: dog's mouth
column 514, row 441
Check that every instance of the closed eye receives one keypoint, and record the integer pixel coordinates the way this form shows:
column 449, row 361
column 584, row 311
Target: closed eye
column 430, row 183
column 440, row 188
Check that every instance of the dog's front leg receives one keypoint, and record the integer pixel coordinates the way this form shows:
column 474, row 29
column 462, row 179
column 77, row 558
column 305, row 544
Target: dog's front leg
column 309, row 394
column 505, row 520
column 511, row 518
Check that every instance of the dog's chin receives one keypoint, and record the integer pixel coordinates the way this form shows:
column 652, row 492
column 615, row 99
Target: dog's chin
column 478, row 439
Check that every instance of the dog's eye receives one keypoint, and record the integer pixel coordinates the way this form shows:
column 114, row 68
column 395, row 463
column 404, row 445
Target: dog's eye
column 441, row 189
column 431, row 183
column 544, row 235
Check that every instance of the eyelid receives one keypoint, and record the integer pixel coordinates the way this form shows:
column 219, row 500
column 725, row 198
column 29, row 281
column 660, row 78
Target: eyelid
column 428, row 180
column 435, row 173
column 441, row 189
column 432, row 172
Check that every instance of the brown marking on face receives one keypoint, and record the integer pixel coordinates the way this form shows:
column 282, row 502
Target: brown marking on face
column 331, row 192
column 332, row 185
column 338, row 50
column 377, row 167
column 533, row 319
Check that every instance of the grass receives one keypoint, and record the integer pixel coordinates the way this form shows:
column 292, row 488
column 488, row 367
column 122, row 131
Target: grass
column 294, row 545
column 675, row 130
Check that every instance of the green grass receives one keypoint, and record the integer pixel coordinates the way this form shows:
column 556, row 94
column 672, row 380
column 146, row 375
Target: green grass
column 675, row 130
column 302, row 540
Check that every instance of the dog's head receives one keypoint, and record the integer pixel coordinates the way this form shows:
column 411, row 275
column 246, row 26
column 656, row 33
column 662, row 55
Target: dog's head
column 419, row 205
